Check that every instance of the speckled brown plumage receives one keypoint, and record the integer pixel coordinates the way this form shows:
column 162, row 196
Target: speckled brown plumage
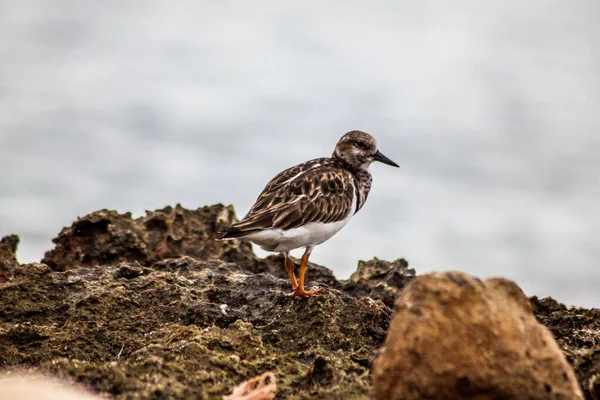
column 319, row 190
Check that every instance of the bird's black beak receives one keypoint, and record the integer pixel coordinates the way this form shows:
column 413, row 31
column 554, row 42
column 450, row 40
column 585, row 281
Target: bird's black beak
column 381, row 158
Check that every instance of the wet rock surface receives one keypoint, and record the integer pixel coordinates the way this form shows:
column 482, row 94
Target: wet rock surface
column 154, row 307
column 455, row 337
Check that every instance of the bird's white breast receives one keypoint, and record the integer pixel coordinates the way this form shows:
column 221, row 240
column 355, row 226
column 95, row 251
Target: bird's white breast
column 311, row 234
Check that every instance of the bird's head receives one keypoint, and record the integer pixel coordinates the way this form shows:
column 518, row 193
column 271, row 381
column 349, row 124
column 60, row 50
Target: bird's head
column 359, row 149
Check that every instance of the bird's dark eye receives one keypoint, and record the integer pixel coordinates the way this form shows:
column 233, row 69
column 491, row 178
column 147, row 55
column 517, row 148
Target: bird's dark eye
column 361, row 145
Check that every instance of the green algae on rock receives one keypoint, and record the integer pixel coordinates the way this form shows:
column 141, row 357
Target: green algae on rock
column 155, row 308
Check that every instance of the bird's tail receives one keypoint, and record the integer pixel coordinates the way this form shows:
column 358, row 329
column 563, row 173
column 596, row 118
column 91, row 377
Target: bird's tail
column 233, row 232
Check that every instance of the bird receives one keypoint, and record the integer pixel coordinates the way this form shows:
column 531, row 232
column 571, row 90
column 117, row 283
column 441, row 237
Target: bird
column 305, row 205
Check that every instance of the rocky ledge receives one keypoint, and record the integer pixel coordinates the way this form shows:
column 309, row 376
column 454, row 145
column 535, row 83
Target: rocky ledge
column 156, row 308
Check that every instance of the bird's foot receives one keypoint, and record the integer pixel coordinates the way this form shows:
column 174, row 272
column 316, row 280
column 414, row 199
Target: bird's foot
column 300, row 292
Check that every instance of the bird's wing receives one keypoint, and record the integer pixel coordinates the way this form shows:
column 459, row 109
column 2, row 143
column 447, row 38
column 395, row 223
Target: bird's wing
column 309, row 192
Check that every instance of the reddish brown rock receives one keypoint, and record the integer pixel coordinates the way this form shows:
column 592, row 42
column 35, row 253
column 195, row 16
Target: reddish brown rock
column 455, row 337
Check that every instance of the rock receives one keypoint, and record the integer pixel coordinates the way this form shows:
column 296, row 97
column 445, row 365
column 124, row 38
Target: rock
column 577, row 331
column 453, row 336
column 106, row 237
column 379, row 279
column 155, row 308
column 184, row 327
column 8, row 256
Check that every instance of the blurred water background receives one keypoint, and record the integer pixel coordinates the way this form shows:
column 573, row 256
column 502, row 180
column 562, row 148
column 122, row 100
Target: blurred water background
column 492, row 109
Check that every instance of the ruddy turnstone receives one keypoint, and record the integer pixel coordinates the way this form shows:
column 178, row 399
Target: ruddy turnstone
column 306, row 205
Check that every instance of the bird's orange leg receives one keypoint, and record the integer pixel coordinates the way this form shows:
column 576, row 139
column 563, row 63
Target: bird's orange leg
column 289, row 267
column 299, row 290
